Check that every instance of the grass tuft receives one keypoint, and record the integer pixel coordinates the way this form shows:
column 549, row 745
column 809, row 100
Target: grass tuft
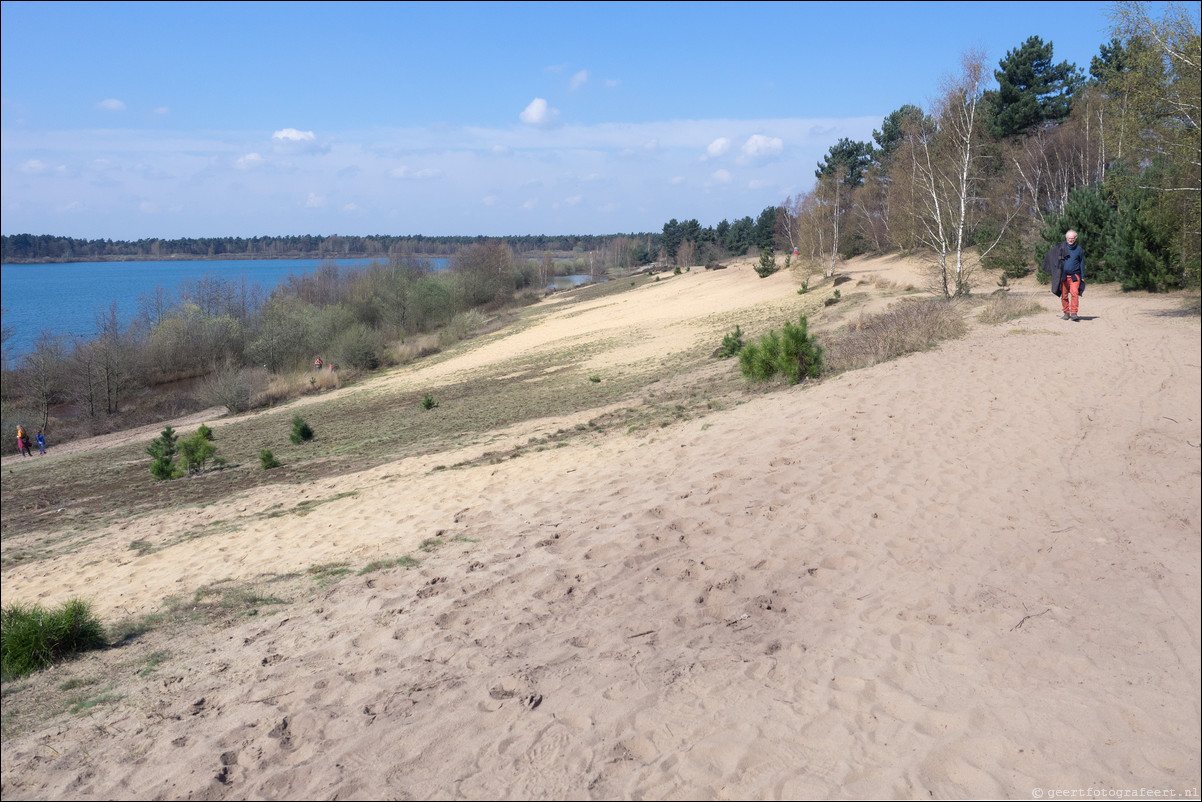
column 33, row 638
column 1004, row 307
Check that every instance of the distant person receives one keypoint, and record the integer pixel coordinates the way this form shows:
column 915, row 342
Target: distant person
column 1067, row 269
column 41, row 438
column 23, row 442
column 317, row 363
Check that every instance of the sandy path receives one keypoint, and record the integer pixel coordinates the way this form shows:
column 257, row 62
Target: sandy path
column 970, row 572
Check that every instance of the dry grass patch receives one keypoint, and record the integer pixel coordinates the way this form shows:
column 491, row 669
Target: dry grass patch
column 1004, row 306
column 906, row 327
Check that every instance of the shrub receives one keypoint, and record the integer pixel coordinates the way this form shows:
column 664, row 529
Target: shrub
column 732, row 344
column 226, row 387
column 196, row 451
column 791, row 352
column 905, row 328
column 359, row 347
column 428, row 402
column 767, row 265
column 758, row 360
column 800, row 356
column 301, row 431
column 1010, row 257
column 205, row 432
column 268, row 460
column 163, row 450
column 32, row 638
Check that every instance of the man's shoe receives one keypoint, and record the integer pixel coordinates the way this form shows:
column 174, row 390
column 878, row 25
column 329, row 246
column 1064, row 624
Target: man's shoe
column 1074, row 317
column 1065, row 316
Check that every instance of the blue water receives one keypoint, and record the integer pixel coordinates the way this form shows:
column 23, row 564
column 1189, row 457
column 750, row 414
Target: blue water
column 65, row 299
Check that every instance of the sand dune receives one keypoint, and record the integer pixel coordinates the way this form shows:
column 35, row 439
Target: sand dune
column 970, row 572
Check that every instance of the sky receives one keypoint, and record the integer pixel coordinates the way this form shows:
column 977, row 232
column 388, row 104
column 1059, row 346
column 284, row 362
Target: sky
column 133, row 120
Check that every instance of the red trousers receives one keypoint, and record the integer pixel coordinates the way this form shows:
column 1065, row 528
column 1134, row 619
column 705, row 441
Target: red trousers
column 1070, row 294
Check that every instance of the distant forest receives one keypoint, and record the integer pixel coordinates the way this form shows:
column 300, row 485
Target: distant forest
column 18, row 248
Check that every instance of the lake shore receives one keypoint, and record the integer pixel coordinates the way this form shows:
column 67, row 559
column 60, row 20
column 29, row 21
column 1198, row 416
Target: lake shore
column 970, row 572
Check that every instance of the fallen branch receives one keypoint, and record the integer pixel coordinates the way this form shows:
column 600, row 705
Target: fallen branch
column 1025, row 617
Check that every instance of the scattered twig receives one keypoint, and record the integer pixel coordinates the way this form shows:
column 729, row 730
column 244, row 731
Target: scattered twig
column 273, row 697
column 1166, row 417
column 641, row 634
column 1025, row 617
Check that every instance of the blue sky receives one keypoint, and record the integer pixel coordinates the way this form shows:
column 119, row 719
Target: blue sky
column 130, row 120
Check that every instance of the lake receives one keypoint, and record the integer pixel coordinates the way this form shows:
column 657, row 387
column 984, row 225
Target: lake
column 65, row 299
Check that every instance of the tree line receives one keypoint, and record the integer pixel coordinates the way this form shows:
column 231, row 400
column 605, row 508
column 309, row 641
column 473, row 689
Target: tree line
column 17, row 248
column 992, row 174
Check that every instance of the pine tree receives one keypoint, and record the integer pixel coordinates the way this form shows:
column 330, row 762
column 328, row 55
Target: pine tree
column 1031, row 89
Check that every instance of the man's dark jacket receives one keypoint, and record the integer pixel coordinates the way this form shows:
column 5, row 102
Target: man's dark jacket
column 1053, row 265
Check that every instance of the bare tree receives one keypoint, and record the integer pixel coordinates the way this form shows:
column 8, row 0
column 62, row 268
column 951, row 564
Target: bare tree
column 942, row 162
column 42, row 375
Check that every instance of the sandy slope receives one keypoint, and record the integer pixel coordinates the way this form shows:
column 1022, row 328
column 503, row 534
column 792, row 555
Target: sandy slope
column 970, row 572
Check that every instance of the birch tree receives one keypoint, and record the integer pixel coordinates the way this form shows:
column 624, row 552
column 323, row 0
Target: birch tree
column 942, row 152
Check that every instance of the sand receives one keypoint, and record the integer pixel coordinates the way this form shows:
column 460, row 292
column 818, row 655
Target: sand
column 970, row 572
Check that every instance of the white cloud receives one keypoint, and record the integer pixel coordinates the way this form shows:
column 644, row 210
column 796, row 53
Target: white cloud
column 161, row 110
column 111, row 104
column 405, row 172
column 314, row 201
column 572, row 201
column 676, row 179
column 539, row 114
column 293, row 135
column 578, row 80
column 350, row 207
column 720, row 176
column 530, row 204
column 147, row 207
column 33, row 166
column 758, row 145
column 489, row 200
column 718, row 147
column 248, row 161
column 612, row 82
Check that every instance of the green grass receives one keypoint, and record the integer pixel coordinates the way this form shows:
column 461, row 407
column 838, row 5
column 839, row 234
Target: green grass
column 381, row 565
column 33, row 638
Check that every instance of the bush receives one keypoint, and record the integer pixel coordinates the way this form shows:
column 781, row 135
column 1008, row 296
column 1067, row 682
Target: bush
column 359, row 347
column 800, row 356
column 767, row 265
column 301, row 431
column 268, row 460
column 205, row 432
column 226, row 387
column 732, row 344
column 32, row 638
column 428, row 402
column 791, row 352
column 1010, row 257
column 163, row 450
column 907, row 327
column 196, row 451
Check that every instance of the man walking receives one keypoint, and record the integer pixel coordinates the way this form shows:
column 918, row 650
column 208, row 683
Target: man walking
column 1072, row 276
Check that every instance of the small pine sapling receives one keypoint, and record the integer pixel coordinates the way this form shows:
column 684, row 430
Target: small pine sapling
column 301, row 431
